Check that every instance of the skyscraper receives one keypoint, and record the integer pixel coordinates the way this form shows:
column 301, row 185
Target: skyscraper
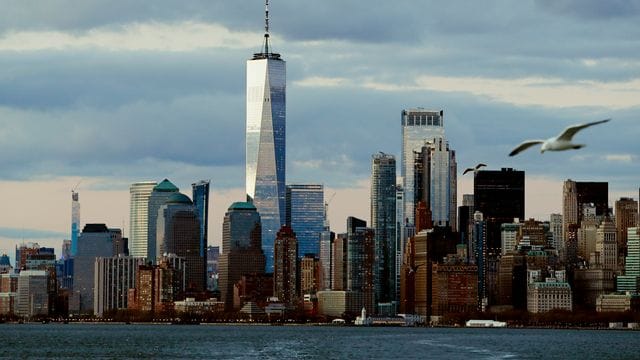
column 626, row 217
column 305, row 215
column 631, row 278
column 159, row 196
column 94, row 241
column 361, row 261
column 178, row 232
column 265, row 140
column 499, row 196
column 139, row 217
column 75, row 222
column 201, row 202
column 418, row 125
column 285, row 274
column 241, row 248
column 383, row 222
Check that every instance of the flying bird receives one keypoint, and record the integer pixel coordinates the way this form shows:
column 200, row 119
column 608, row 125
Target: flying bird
column 558, row 143
column 475, row 169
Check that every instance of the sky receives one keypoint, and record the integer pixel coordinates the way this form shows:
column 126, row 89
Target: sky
column 107, row 93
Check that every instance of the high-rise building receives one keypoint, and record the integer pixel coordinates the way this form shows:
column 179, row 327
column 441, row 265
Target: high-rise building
column 200, row 197
column 575, row 195
column 626, row 217
column 265, row 140
column 418, row 125
column 509, row 237
column 480, row 254
column 305, row 214
column 159, row 196
column 401, row 237
column 606, row 244
column 213, row 257
column 75, row 221
column 95, row 241
column 310, row 273
column 383, row 222
column 361, row 260
column 555, row 227
column 436, row 181
column 285, row 269
column 178, row 232
column 139, row 217
column 499, row 196
column 242, row 252
column 630, row 281
column 32, row 295
column 114, row 276
column 327, row 239
column 339, row 259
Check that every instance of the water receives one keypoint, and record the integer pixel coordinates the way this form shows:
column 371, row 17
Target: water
column 87, row 341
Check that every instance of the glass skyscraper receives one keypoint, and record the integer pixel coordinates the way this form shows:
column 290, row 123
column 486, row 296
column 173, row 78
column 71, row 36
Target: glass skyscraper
column 158, row 197
column 75, row 222
column 139, row 217
column 265, row 141
column 305, row 215
column 383, row 222
column 201, row 202
column 418, row 125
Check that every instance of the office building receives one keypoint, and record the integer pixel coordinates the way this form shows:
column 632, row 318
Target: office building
column 361, row 260
column 32, row 294
column 606, row 244
column 499, row 196
column 339, row 256
column 75, row 221
column 418, row 125
column 241, row 248
column 310, row 275
column 159, row 196
column 285, row 270
column 200, row 197
column 555, row 227
column 8, row 293
column 178, row 232
column 547, row 295
column 305, row 214
column 626, row 217
column 213, row 258
column 139, row 217
column 575, row 195
column 114, row 276
column 509, row 236
column 455, row 288
column 327, row 239
column 383, row 223
column 266, row 141
column 630, row 281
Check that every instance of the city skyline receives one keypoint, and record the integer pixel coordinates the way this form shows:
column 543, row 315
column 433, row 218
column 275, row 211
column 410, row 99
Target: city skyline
column 111, row 125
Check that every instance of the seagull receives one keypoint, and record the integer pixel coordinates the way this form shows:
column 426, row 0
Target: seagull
column 475, row 170
column 558, row 143
column 414, row 268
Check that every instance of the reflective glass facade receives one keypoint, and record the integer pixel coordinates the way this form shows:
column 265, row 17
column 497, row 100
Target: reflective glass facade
column 305, row 215
column 201, row 202
column 383, row 222
column 418, row 125
column 265, row 144
column 139, row 217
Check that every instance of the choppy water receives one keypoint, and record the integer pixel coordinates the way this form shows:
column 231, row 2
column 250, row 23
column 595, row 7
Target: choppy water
column 90, row 341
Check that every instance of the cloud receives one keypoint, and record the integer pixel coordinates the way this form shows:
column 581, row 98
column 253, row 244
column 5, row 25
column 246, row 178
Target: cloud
column 623, row 158
column 29, row 234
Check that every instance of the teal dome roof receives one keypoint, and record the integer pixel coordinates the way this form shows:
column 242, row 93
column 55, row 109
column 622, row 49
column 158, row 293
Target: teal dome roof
column 4, row 260
column 166, row 186
column 179, row 198
column 242, row 206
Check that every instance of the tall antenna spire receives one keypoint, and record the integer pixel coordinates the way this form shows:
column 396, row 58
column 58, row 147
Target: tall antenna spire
column 266, row 27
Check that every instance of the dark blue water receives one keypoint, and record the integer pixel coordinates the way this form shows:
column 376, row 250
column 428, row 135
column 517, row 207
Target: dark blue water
column 88, row 341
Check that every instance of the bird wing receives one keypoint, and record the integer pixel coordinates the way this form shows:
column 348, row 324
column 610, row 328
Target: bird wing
column 525, row 145
column 568, row 133
column 467, row 170
column 480, row 165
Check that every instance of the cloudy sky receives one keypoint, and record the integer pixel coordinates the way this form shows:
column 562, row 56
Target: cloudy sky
column 113, row 92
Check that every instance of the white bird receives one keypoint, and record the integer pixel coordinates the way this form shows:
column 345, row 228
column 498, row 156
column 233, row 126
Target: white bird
column 558, row 143
column 475, row 169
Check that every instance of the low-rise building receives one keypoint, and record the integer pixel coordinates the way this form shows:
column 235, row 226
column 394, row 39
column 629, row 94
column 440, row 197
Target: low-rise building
column 549, row 295
column 337, row 302
column 618, row 302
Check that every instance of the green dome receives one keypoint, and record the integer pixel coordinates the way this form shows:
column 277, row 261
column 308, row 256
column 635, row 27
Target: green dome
column 242, row 206
column 166, row 186
column 179, row 198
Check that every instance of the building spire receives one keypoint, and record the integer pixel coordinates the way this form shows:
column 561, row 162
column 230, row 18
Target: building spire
column 266, row 27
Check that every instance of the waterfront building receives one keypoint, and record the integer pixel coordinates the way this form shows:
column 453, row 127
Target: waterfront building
column 95, row 241
column 339, row 255
column 200, row 197
column 157, row 287
column 305, row 214
column 75, row 221
column 8, row 293
column 178, row 232
column 480, row 255
column 32, row 293
column 499, row 196
column 630, row 281
column 618, row 302
column 337, row 303
column 193, row 306
column 256, row 288
column 241, row 248
column 213, row 258
column 512, row 281
column 266, row 141
column 383, row 223
column 590, row 283
column 455, row 288
column 626, row 217
column 361, row 260
column 285, row 270
column 543, row 296
column 158, row 198
column 139, row 217
column 114, row 276
column 401, row 235
column 418, row 125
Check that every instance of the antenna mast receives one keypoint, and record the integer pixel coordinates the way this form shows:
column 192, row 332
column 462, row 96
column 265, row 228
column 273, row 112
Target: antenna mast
column 266, row 27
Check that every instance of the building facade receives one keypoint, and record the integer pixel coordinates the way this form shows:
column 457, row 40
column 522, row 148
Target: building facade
column 285, row 270
column 75, row 221
column 95, row 241
column 114, row 276
column 139, row 217
column 200, row 197
column 305, row 214
column 158, row 198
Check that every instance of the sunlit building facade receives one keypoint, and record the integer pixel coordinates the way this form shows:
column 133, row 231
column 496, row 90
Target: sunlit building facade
column 139, row 217
column 305, row 215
